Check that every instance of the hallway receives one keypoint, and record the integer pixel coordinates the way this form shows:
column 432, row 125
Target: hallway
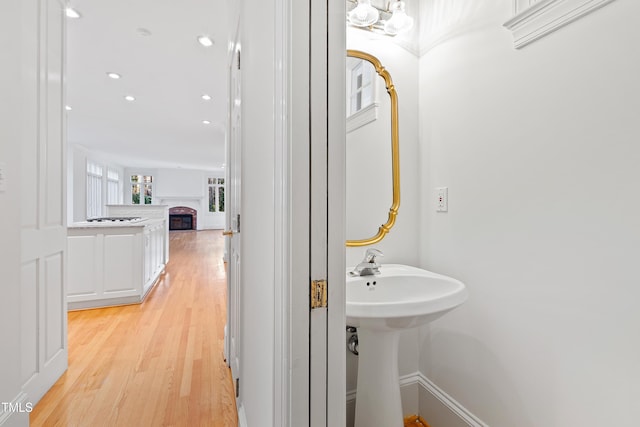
column 155, row 364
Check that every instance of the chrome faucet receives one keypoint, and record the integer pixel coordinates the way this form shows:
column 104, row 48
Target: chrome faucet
column 369, row 266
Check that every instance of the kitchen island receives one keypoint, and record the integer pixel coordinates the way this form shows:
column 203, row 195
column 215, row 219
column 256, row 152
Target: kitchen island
column 114, row 262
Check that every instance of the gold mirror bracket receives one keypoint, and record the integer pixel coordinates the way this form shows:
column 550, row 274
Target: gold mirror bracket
column 395, row 150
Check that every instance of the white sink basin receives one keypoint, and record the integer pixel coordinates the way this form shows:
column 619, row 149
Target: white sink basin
column 381, row 306
column 401, row 297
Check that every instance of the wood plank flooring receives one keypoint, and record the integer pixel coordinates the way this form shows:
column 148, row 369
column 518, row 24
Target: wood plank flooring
column 159, row 363
column 415, row 421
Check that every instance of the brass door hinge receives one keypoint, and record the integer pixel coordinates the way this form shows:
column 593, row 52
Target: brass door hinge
column 318, row 294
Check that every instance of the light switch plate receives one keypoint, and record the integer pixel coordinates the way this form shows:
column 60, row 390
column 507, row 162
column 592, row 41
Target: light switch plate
column 442, row 199
column 3, row 177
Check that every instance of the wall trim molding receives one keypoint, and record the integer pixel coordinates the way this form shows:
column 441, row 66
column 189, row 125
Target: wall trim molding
column 546, row 16
column 11, row 418
column 242, row 417
column 449, row 402
column 405, row 381
column 428, row 386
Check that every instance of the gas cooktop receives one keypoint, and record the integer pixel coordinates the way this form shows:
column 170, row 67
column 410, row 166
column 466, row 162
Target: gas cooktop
column 115, row 219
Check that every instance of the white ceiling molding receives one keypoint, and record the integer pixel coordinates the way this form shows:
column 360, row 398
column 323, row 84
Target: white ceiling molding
column 535, row 19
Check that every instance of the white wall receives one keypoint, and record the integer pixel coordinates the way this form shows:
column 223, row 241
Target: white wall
column 77, row 158
column 181, row 187
column 539, row 149
column 173, row 187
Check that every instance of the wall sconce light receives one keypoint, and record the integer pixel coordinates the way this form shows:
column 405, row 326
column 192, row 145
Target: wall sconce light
column 390, row 21
column 363, row 14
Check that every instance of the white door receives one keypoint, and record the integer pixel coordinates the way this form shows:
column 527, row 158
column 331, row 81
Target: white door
column 43, row 229
column 234, row 189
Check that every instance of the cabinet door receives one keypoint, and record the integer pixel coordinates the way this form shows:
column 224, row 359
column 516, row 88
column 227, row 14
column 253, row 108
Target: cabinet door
column 120, row 259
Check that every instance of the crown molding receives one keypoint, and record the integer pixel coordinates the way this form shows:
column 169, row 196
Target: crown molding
column 534, row 21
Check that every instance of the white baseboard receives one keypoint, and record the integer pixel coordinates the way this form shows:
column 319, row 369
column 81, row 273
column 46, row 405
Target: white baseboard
column 411, row 387
column 448, row 402
column 19, row 415
column 409, row 396
column 226, row 346
column 242, row 417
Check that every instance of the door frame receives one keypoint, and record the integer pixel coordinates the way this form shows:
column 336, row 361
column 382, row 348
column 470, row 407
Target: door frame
column 293, row 156
column 315, row 27
column 336, row 209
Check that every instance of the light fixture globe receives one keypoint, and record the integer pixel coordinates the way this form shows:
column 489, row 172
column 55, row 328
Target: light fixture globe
column 363, row 14
column 399, row 21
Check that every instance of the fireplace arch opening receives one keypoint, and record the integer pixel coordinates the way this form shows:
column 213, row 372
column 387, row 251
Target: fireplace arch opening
column 183, row 218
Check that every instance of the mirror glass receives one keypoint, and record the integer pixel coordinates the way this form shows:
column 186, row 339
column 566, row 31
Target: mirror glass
column 372, row 137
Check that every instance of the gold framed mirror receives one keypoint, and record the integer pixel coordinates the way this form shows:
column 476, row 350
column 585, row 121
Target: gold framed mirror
column 355, row 98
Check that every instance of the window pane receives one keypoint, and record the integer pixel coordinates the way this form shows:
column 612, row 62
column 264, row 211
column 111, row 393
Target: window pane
column 221, row 181
column 148, row 179
column 367, row 96
column 212, row 181
column 112, row 192
column 367, row 73
column 147, row 193
column 135, row 194
column 356, row 77
column 113, row 175
column 220, row 199
column 94, row 169
column 212, row 202
column 94, row 196
column 135, row 178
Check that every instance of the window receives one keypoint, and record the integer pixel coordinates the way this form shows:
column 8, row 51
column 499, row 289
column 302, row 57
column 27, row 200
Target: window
column 141, row 185
column 216, row 194
column 94, row 190
column 361, row 91
column 113, row 187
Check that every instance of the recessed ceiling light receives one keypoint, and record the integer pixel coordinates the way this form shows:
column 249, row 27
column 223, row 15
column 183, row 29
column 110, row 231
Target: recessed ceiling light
column 66, row 107
column 114, row 76
column 72, row 13
column 205, row 41
column 129, row 98
column 206, row 97
column 206, row 122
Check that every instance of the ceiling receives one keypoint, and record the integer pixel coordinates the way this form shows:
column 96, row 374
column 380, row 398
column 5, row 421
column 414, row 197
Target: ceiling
column 153, row 45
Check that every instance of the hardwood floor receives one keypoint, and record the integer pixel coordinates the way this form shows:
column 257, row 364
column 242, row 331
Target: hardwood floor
column 159, row 363
column 415, row 421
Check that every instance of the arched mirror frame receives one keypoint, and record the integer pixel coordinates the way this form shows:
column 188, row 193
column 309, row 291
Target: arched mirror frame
column 395, row 150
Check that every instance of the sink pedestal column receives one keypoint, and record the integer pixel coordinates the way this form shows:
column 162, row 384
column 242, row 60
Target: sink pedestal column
column 378, row 392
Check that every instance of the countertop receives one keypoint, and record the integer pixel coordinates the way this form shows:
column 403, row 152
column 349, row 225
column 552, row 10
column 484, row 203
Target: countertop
column 115, row 224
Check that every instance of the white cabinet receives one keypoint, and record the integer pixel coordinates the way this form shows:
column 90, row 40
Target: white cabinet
column 114, row 264
column 145, row 211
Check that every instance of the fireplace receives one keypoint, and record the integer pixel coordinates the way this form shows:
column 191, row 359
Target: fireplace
column 180, row 222
column 183, row 218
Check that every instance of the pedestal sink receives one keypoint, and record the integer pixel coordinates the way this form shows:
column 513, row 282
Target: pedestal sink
column 380, row 306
